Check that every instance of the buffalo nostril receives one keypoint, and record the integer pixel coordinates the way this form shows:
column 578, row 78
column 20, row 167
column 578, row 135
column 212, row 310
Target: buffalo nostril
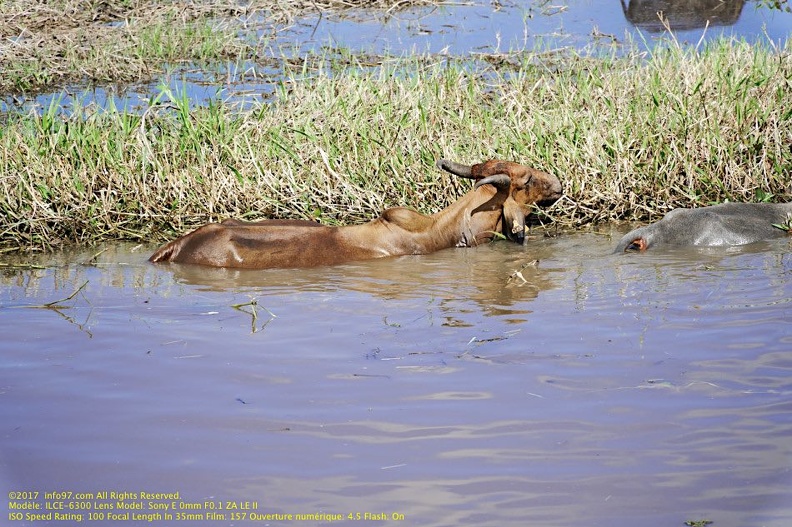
column 518, row 236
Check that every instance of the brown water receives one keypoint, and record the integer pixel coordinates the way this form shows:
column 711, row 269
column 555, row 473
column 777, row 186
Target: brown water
column 596, row 390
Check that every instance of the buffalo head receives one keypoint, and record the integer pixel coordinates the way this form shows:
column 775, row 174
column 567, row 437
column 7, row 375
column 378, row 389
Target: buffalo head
column 519, row 188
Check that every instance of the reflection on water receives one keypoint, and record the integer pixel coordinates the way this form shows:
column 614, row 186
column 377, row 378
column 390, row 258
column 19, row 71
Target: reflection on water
column 681, row 16
column 484, row 278
column 623, row 389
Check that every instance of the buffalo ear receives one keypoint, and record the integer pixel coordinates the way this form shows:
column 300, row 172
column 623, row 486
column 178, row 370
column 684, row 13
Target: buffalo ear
column 638, row 244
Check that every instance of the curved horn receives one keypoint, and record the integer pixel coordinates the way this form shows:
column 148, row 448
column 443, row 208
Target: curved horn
column 498, row 180
column 457, row 169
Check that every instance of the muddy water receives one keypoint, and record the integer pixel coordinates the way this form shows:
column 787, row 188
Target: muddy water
column 590, row 389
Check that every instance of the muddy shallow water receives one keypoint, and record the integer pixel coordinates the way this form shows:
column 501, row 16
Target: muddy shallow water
column 590, row 389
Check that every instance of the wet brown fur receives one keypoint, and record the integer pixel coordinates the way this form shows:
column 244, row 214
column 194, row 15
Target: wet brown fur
column 473, row 219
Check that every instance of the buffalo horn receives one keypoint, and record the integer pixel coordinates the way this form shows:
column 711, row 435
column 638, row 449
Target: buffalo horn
column 457, row 169
column 497, row 180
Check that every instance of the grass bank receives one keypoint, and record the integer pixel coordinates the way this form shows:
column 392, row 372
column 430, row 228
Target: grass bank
column 630, row 138
column 46, row 44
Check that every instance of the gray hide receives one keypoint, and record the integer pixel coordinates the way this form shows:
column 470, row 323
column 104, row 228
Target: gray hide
column 719, row 225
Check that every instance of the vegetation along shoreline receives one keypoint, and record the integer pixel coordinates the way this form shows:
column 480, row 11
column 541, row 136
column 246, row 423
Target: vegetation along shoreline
column 630, row 136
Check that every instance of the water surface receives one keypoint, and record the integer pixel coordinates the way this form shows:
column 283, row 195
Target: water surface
column 471, row 386
column 462, row 29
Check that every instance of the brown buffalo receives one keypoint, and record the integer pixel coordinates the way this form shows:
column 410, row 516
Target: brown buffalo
column 499, row 202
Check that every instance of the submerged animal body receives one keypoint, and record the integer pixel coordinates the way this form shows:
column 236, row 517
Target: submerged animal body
column 500, row 201
column 719, row 225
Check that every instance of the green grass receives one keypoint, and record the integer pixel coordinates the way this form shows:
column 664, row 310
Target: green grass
column 630, row 138
column 47, row 44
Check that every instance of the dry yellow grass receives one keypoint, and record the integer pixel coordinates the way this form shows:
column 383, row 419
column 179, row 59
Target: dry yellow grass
column 630, row 138
column 45, row 44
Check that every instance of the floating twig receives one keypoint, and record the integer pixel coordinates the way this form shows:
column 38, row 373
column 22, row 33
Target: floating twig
column 92, row 259
column 54, row 303
column 254, row 314
column 518, row 272
column 57, row 308
column 21, row 266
